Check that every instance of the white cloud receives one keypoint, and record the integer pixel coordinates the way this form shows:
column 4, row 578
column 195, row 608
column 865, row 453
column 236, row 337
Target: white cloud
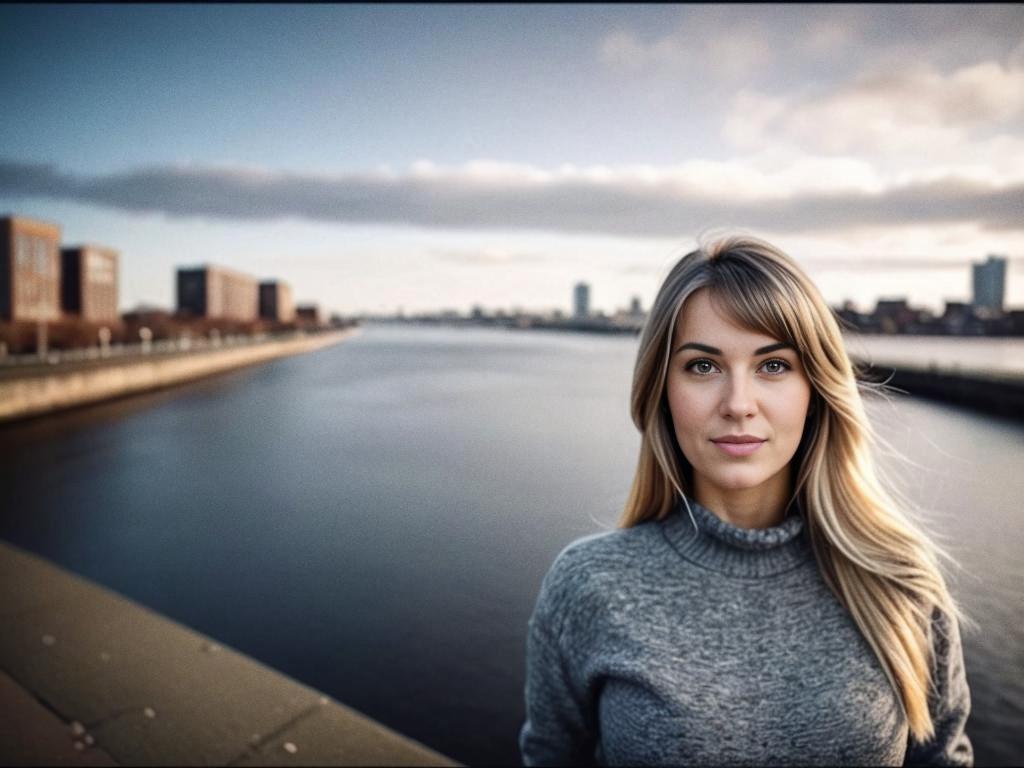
column 1016, row 58
column 916, row 112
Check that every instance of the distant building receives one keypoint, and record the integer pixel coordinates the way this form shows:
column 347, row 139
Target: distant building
column 990, row 284
column 145, row 315
column 581, row 300
column 88, row 286
column 956, row 317
column 893, row 315
column 29, row 270
column 308, row 314
column 635, row 307
column 1015, row 318
column 276, row 301
column 160, row 323
column 217, row 293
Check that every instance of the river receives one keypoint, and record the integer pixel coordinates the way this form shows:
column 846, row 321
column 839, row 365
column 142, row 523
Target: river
column 374, row 519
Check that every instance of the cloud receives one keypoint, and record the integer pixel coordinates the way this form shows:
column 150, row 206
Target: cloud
column 829, row 35
column 728, row 53
column 911, row 110
column 887, row 264
column 639, row 201
column 487, row 257
column 641, row 269
column 757, row 40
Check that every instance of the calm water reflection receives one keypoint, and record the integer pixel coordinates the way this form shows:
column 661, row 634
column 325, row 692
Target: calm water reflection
column 374, row 519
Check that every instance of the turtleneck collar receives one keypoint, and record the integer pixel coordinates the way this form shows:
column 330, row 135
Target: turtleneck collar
column 726, row 548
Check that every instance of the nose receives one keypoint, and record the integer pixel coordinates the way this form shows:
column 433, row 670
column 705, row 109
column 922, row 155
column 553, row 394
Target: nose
column 738, row 400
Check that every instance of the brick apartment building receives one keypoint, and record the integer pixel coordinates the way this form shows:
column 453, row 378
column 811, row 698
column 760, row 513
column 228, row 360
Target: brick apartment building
column 308, row 314
column 89, row 283
column 29, row 270
column 276, row 301
column 217, row 293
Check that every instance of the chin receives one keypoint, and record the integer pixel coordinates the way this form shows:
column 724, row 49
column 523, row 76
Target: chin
column 739, row 479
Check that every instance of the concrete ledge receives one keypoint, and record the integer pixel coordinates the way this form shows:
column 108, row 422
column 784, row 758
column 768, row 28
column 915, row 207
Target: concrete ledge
column 149, row 691
column 36, row 394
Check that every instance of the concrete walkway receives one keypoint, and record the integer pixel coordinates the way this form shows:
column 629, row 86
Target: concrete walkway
column 88, row 677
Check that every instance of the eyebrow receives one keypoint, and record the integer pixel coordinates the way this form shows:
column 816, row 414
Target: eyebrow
column 716, row 351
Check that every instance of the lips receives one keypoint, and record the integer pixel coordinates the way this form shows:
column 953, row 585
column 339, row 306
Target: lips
column 739, row 445
column 738, row 439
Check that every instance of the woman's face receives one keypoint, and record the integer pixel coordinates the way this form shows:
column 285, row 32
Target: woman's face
column 725, row 381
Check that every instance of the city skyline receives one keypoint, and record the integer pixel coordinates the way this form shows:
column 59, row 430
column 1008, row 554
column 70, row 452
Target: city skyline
column 427, row 157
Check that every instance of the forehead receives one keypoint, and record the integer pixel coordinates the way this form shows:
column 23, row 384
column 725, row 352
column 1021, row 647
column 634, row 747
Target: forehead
column 704, row 321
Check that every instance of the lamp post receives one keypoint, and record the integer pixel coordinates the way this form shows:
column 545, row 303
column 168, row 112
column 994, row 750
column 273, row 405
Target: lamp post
column 42, row 340
column 146, row 335
column 104, row 334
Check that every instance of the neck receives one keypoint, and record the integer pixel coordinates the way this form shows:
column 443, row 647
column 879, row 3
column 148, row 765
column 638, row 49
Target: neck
column 761, row 507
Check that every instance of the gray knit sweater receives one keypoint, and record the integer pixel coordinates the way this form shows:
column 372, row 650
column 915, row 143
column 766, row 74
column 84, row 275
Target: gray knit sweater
column 659, row 644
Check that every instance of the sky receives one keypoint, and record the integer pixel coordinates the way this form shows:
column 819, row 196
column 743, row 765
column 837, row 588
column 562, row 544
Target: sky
column 426, row 157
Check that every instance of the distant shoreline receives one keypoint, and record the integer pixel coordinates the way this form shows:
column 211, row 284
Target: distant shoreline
column 995, row 392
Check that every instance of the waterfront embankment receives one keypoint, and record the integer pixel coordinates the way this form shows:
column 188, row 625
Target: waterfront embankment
column 992, row 392
column 41, row 389
column 985, row 374
column 88, row 677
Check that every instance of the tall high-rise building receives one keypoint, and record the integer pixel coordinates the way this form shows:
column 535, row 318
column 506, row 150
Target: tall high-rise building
column 581, row 300
column 29, row 270
column 990, row 283
column 88, row 285
column 217, row 293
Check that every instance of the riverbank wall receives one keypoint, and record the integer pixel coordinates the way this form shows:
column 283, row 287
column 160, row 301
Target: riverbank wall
column 36, row 392
column 997, row 394
column 88, row 677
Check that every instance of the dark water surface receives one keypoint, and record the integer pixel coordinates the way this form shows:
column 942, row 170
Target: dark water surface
column 374, row 519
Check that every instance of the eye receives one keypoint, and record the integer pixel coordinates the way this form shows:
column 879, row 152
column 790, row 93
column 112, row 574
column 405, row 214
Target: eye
column 775, row 366
column 701, row 367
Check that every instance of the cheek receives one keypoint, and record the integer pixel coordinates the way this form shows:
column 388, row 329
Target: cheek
column 790, row 410
column 690, row 411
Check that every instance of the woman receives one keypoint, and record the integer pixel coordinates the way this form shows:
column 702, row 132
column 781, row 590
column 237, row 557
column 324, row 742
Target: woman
column 764, row 600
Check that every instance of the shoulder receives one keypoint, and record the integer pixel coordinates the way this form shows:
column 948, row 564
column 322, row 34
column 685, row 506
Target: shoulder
column 587, row 570
column 605, row 552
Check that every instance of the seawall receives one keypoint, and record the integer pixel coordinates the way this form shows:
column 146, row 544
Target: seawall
column 39, row 392
column 88, row 677
column 998, row 394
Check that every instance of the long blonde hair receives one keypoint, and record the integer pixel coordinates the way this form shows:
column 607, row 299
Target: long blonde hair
column 882, row 567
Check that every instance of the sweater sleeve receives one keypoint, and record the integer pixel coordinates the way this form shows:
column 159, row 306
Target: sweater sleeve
column 560, row 726
column 949, row 702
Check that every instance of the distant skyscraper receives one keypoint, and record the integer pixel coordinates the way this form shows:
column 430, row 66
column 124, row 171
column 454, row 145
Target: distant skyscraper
column 990, row 283
column 635, row 308
column 581, row 300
